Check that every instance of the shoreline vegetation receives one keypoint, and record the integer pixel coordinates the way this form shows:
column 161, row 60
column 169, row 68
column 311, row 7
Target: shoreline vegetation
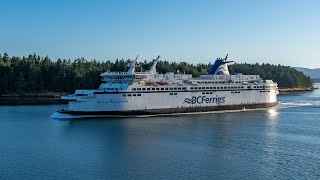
column 40, row 80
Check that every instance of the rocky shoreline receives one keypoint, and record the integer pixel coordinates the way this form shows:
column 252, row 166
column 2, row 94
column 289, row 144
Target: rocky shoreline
column 31, row 98
column 293, row 90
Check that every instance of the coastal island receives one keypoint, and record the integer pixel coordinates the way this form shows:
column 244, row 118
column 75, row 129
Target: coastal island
column 41, row 80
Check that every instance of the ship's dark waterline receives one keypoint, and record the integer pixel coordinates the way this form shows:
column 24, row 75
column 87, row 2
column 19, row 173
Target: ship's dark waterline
column 172, row 110
column 277, row 143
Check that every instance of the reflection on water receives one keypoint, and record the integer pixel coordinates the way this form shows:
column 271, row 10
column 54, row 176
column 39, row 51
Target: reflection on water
column 271, row 129
column 272, row 114
column 271, row 141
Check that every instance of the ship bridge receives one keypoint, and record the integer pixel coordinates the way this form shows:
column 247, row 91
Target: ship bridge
column 115, row 81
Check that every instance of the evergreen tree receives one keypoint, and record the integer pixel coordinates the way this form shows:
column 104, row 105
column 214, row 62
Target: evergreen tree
column 34, row 73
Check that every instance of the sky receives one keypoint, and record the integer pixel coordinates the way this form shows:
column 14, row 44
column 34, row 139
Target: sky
column 283, row 32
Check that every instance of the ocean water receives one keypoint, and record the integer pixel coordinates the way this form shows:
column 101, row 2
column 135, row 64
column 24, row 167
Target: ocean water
column 276, row 143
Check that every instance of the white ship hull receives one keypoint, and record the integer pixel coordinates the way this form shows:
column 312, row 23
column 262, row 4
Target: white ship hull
column 150, row 103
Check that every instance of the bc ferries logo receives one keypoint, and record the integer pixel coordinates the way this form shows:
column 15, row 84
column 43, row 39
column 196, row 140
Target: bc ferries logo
column 204, row 99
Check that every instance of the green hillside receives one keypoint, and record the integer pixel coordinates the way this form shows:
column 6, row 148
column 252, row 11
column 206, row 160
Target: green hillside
column 37, row 74
column 287, row 77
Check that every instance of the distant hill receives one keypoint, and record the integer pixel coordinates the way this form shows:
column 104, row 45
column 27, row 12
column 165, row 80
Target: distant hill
column 316, row 80
column 313, row 73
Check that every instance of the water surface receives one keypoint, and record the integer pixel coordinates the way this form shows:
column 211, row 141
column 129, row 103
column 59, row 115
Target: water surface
column 276, row 143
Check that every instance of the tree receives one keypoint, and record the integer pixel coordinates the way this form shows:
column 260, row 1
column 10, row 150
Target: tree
column 34, row 73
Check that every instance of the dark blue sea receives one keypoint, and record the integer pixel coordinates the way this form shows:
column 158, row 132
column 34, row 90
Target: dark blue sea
column 277, row 143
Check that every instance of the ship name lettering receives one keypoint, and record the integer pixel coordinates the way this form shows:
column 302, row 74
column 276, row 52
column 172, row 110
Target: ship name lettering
column 204, row 99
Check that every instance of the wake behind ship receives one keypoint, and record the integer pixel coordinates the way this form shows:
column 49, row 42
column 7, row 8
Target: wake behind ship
column 150, row 93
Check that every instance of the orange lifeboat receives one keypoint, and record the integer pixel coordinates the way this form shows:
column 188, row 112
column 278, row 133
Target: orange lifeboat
column 162, row 83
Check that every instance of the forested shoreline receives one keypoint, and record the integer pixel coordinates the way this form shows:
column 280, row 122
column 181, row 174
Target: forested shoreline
column 38, row 74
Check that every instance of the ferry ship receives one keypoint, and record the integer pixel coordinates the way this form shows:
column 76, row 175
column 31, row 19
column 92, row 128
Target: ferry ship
column 150, row 93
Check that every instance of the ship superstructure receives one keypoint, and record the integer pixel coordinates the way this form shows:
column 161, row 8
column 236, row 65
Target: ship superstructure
column 149, row 93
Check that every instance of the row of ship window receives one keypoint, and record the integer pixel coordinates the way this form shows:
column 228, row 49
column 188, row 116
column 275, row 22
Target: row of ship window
column 207, row 92
column 194, row 88
column 228, row 87
column 158, row 89
column 131, row 94
column 120, row 77
column 113, row 89
column 232, row 87
column 140, row 94
column 233, row 92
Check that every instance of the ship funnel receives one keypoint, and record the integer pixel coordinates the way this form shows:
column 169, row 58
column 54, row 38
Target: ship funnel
column 220, row 67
